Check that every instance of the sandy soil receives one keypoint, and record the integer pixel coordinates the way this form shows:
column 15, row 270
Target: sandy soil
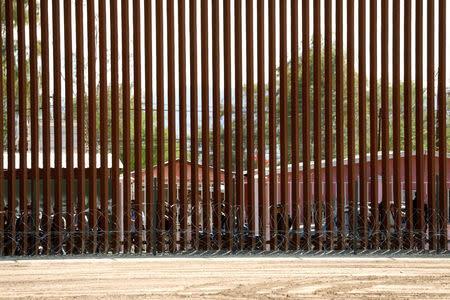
column 229, row 277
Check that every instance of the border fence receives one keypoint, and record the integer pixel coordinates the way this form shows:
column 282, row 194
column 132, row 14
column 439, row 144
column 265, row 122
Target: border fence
column 166, row 126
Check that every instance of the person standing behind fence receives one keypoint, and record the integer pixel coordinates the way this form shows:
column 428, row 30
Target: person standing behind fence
column 133, row 218
column 32, row 230
column 281, row 230
column 21, row 235
column 416, row 219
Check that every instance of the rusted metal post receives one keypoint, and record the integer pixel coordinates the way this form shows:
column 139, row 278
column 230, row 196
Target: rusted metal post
column 69, row 124
column 273, row 176
column 183, row 197
column 161, row 236
column 57, row 111
column 340, row 129
column 351, row 118
column 283, row 128
column 418, row 215
column 92, row 130
column 318, row 127
column 373, row 127
column 11, row 212
column 431, row 132
column 442, row 110
column 396, row 132
column 362, row 124
column 115, row 172
column 81, row 173
column 408, row 131
column 137, row 207
column 103, row 129
column 217, row 200
column 261, row 126
column 295, row 193
column 386, row 191
column 329, row 218
column 250, row 124
column 2, row 146
column 239, row 126
column 206, row 211
column 126, row 128
column 34, row 128
column 149, row 201
column 23, row 132
column 172, row 141
column 306, row 127
column 46, row 190
column 195, row 211
column 229, row 208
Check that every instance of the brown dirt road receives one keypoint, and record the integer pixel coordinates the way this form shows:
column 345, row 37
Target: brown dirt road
column 227, row 277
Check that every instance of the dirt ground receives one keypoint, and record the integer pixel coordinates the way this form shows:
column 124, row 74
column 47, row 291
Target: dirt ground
column 226, row 277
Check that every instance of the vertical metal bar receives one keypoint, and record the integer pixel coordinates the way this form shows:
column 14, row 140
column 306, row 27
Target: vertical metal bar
column 149, row 207
column 137, row 124
column 431, row 132
column 115, row 218
column 23, row 136
column 318, row 125
column 160, row 125
column 155, row 215
column 351, row 116
column 217, row 201
column 306, row 127
column 385, row 124
column 261, row 126
column 58, row 226
column 273, row 177
column 11, row 212
column 206, row 211
column 2, row 149
column 239, row 125
column 340, row 128
column 183, row 130
column 81, row 173
column 329, row 218
column 295, row 198
column 362, row 123
column 34, row 105
column 250, row 123
column 46, row 190
column 283, row 127
column 172, row 141
column 233, row 215
column 442, row 110
column 92, row 129
column 373, row 127
column 408, row 132
column 419, row 205
column 69, row 123
column 103, row 128
column 229, row 209
column 126, row 126
column 396, row 120
column 194, row 122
